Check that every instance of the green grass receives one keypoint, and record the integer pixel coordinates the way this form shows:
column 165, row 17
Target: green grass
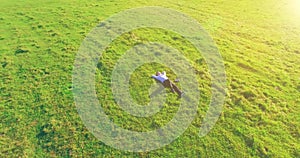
column 259, row 42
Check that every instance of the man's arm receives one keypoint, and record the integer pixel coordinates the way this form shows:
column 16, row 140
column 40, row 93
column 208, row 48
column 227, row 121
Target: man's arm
column 154, row 76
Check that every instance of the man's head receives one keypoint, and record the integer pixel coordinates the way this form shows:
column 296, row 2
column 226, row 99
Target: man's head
column 158, row 73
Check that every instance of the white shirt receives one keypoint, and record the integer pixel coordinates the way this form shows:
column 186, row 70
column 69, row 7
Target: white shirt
column 161, row 78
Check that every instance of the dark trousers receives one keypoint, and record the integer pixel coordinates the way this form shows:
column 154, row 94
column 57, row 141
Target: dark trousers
column 168, row 84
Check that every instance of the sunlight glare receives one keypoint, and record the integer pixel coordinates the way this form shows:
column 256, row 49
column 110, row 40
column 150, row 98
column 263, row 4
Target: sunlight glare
column 295, row 7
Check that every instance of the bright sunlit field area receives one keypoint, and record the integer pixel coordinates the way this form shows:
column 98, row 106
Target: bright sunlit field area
column 259, row 42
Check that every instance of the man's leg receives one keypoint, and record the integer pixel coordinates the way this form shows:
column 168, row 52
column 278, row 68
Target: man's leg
column 168, row 84
column 172, row 86
column 177, row 90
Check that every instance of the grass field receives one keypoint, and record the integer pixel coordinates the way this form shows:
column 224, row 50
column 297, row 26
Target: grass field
column 258, row 40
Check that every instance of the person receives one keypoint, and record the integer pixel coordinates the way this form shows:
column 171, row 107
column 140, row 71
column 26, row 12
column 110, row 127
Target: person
column 165, row 81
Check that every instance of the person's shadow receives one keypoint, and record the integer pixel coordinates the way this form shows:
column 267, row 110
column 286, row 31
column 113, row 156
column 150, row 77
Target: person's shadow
column 158, row 89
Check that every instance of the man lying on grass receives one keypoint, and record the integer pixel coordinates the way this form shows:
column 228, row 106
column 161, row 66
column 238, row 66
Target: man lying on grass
column 164, row 80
